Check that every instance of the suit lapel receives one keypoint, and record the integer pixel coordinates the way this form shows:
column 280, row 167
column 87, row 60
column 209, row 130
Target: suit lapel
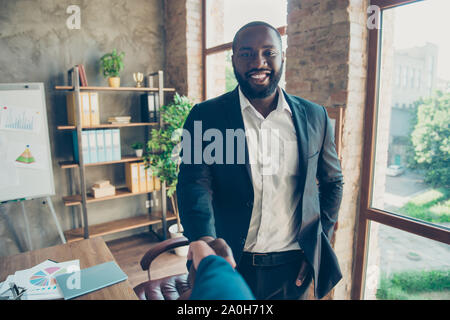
column 301, row 127
column 235, row 122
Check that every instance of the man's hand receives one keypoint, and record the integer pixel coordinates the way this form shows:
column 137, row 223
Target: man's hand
column 303, row 273
column 221, row 248
column 204, row 247
column 199, row 250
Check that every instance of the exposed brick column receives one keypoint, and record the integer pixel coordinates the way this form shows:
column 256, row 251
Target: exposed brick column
column 183, row 25
column 326, row 63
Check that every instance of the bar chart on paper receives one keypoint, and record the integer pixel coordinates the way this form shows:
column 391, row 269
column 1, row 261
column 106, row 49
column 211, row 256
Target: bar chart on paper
column 14, row 118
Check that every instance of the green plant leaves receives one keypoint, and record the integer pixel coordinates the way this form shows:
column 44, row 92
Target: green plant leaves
column 162, row 155
column 112, row 63
column 431, row 139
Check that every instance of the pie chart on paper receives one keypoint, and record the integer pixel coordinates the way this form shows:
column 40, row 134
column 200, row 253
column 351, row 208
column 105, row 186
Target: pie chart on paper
column 46, row 278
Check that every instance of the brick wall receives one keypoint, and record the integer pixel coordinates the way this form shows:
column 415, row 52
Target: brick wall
column 326, row 63
column 183, row 34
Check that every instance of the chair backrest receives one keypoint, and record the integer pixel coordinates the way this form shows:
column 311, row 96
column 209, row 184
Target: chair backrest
column 167, row 288
column 161, row 247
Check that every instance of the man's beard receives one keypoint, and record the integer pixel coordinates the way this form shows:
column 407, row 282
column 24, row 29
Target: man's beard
column 251, row 93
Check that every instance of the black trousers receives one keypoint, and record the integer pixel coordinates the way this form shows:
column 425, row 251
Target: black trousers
column 272, row 276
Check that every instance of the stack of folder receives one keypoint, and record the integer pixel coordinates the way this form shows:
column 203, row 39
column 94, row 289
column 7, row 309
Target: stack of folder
column 139, row 179
column 90, row 111
column 119, row 119
column 98, row 145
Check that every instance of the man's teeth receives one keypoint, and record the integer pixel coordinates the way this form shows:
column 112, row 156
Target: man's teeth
column 259, row 76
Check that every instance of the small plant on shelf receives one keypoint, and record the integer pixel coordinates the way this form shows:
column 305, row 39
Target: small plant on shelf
column 111, row 66
column 138, row 148
column 163, row 155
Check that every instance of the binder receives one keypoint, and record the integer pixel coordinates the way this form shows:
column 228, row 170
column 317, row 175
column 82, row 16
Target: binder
column 84, row 147
column 149, row 179
column 100, row 145
column 142, row 178
column 94, row 109
column 116, row 144
column 157, row 113
column 148, row 110
column 72, row 109
column 92, row 146
column 156, row 183
column 132, row 176
column 108, row 145
column 85, row 105
column 90, row 279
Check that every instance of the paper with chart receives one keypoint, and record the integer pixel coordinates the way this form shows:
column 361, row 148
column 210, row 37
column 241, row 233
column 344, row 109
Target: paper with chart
column 20, row 119
column 26, row 168
column 40, row 280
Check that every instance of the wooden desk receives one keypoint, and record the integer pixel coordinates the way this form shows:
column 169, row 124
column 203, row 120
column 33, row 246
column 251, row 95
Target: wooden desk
column 90, row 252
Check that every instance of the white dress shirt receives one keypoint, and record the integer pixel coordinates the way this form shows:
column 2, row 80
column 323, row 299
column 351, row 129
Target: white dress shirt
column 273, row 155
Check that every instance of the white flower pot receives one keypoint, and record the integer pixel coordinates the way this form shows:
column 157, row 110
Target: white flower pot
column 180, row 251
column 139, row 152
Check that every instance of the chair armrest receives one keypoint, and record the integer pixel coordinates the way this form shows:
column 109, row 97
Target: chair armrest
column 161, row 247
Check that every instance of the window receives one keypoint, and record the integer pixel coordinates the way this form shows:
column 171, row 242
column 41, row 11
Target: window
column 405, row 80
column 419, row 78
column 403, row 234
column 223, row 18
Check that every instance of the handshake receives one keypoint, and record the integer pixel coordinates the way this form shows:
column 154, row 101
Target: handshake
column 206, row 246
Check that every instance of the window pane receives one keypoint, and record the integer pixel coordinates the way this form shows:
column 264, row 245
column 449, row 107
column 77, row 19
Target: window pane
column 403, row 266
column 219, row 74
column 412, row 159
column 225, row 17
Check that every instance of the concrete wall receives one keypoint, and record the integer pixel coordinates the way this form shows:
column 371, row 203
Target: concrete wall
column 37, row 46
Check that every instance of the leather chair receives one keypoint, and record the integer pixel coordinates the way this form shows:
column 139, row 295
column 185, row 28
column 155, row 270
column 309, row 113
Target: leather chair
column 174, row 287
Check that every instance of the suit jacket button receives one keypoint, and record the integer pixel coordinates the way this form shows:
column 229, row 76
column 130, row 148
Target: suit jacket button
column 250, row 204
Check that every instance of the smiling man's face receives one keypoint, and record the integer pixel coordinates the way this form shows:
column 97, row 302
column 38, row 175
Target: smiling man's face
column 258, row 61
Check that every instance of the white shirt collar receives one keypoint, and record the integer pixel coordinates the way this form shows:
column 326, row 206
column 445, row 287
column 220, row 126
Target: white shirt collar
column 282, row 103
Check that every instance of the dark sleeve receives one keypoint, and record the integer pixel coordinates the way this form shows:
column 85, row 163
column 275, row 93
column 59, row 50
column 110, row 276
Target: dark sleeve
column 330, row 179
column 194, row 191
column 217, row 280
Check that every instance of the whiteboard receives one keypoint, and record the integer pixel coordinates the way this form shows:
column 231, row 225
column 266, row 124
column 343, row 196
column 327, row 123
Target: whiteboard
column 26, row 170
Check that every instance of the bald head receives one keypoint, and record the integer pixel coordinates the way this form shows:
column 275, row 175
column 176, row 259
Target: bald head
column 254, row 24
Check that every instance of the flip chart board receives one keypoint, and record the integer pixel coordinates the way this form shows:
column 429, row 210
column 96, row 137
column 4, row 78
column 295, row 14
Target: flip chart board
column 25, row 159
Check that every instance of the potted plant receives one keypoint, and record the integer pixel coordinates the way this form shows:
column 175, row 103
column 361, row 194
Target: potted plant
column 163, row 154
column 111, row 65
column 138, row 148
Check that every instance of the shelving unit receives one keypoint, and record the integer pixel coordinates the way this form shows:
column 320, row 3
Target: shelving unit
column 109, row 125
column 83, row 199
column 72, row 164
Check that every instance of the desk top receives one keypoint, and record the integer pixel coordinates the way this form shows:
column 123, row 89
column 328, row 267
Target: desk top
column 90, row 252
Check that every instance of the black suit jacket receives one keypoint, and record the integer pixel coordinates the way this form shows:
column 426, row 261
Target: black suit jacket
column 217, row 199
